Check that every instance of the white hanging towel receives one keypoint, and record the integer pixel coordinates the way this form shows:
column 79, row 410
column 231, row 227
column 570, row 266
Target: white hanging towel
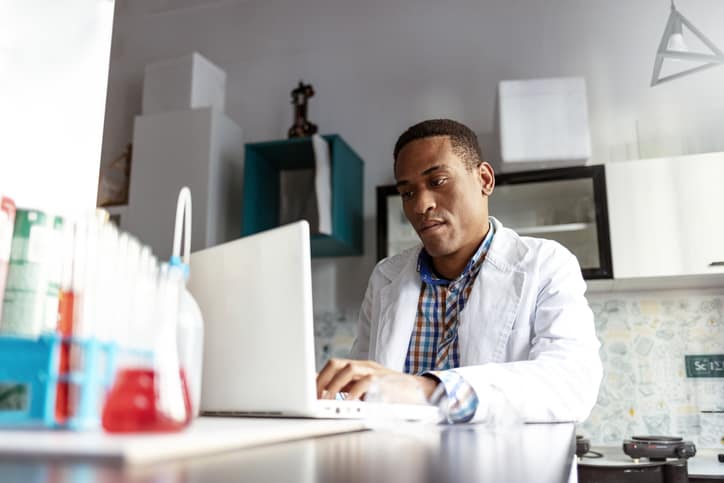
column 323, row 183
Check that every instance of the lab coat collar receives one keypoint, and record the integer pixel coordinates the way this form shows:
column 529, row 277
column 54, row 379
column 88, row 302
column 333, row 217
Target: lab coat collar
column 507, row 250
column 495, row 297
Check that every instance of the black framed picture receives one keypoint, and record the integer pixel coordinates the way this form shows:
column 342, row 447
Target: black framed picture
column 394, row 232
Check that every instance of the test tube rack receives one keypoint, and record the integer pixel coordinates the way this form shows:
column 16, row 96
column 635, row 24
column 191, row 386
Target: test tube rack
column 31, row 366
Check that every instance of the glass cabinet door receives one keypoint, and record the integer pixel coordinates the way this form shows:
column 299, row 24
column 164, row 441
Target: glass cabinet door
column 567, row 205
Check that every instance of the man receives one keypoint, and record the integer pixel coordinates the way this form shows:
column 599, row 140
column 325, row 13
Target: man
column 499, row 320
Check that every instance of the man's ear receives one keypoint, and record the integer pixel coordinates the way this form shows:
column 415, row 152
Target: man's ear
column 487, row 178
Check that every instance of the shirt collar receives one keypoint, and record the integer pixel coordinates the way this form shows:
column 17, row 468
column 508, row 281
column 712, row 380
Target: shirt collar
column 427, row 273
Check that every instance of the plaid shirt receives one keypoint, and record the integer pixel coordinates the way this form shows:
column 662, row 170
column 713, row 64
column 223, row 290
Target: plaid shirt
column 434, row 347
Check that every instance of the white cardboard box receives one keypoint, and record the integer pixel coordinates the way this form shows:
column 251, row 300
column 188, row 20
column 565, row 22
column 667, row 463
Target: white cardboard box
column 198, row 148
column 187, row 82
column 543, row 123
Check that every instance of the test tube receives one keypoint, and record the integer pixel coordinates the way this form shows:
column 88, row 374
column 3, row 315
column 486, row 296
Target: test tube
column 65, row 322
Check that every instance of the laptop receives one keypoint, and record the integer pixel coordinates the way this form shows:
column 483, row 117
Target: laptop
column 255, row 294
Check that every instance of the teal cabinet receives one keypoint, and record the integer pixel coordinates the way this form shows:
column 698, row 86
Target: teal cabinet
column 263, row 164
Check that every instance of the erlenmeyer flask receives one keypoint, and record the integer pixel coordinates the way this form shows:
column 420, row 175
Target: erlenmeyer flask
column 150, row 393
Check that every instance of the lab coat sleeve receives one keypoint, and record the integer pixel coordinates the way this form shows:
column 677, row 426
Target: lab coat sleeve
column 560, row 379
column 361, row 346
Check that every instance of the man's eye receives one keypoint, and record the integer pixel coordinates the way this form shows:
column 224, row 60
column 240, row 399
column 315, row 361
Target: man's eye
column 406, row 195
column 438, row 181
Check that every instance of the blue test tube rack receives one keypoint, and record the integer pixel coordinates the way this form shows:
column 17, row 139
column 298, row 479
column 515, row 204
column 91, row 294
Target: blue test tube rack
column 34, row 363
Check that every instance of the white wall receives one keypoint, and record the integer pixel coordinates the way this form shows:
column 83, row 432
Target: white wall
column 53, row 78
column 379, row 66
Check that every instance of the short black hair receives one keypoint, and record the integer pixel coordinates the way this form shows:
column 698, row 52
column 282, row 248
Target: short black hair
column 463, row 140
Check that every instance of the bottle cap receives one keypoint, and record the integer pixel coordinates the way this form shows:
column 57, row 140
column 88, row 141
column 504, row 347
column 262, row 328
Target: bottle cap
column 176, row 262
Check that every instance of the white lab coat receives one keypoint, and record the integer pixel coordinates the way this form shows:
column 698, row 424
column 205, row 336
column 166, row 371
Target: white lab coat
column 526, row 336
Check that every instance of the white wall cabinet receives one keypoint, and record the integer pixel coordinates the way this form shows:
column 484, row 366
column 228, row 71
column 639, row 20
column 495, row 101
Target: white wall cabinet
column 667, row 220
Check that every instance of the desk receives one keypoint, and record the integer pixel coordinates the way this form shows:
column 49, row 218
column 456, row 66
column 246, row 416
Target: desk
column 391, row 452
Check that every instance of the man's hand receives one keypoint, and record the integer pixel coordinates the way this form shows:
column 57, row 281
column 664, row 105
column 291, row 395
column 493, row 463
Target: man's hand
column 355, row 377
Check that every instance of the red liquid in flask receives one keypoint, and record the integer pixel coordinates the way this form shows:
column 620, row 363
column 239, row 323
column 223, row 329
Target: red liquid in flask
column 132, row 406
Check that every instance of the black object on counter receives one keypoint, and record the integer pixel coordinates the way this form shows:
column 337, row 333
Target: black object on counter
column 676, row 472
column 583, row 445
column 658, row 448
column 673, row 471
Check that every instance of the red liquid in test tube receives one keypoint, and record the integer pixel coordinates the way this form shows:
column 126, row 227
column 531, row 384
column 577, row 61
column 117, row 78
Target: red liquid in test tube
column 65, row 328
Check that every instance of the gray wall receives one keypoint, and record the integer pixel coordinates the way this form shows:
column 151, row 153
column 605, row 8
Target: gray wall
column 379, row 66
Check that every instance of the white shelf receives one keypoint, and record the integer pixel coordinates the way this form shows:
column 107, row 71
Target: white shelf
column 542, row 229
column 714, row 281
column 115, row 209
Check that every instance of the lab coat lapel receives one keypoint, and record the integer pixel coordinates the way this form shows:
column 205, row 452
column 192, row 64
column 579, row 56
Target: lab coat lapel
column 488, row 319
column 397, row 318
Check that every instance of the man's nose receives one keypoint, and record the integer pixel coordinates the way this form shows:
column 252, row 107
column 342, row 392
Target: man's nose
column 424, row 202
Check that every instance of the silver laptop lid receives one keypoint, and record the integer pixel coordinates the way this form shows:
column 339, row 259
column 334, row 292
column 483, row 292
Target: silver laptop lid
column 255, row 294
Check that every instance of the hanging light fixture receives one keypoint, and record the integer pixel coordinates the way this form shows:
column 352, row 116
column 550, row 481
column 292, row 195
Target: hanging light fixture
column 676, row 39
column 673, row 46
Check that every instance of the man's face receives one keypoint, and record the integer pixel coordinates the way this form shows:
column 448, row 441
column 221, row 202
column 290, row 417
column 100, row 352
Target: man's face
column 444, row 201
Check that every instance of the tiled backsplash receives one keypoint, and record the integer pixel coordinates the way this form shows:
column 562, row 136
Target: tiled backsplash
column 644, row 339
column 645, row 390
column 333, row 334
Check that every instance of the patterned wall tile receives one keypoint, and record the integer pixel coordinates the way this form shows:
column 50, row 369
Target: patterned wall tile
column 334, row 333
column 644, row 390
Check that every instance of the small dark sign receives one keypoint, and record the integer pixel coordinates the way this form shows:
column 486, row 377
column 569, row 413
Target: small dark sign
column 707, row 365
column 13, row 397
